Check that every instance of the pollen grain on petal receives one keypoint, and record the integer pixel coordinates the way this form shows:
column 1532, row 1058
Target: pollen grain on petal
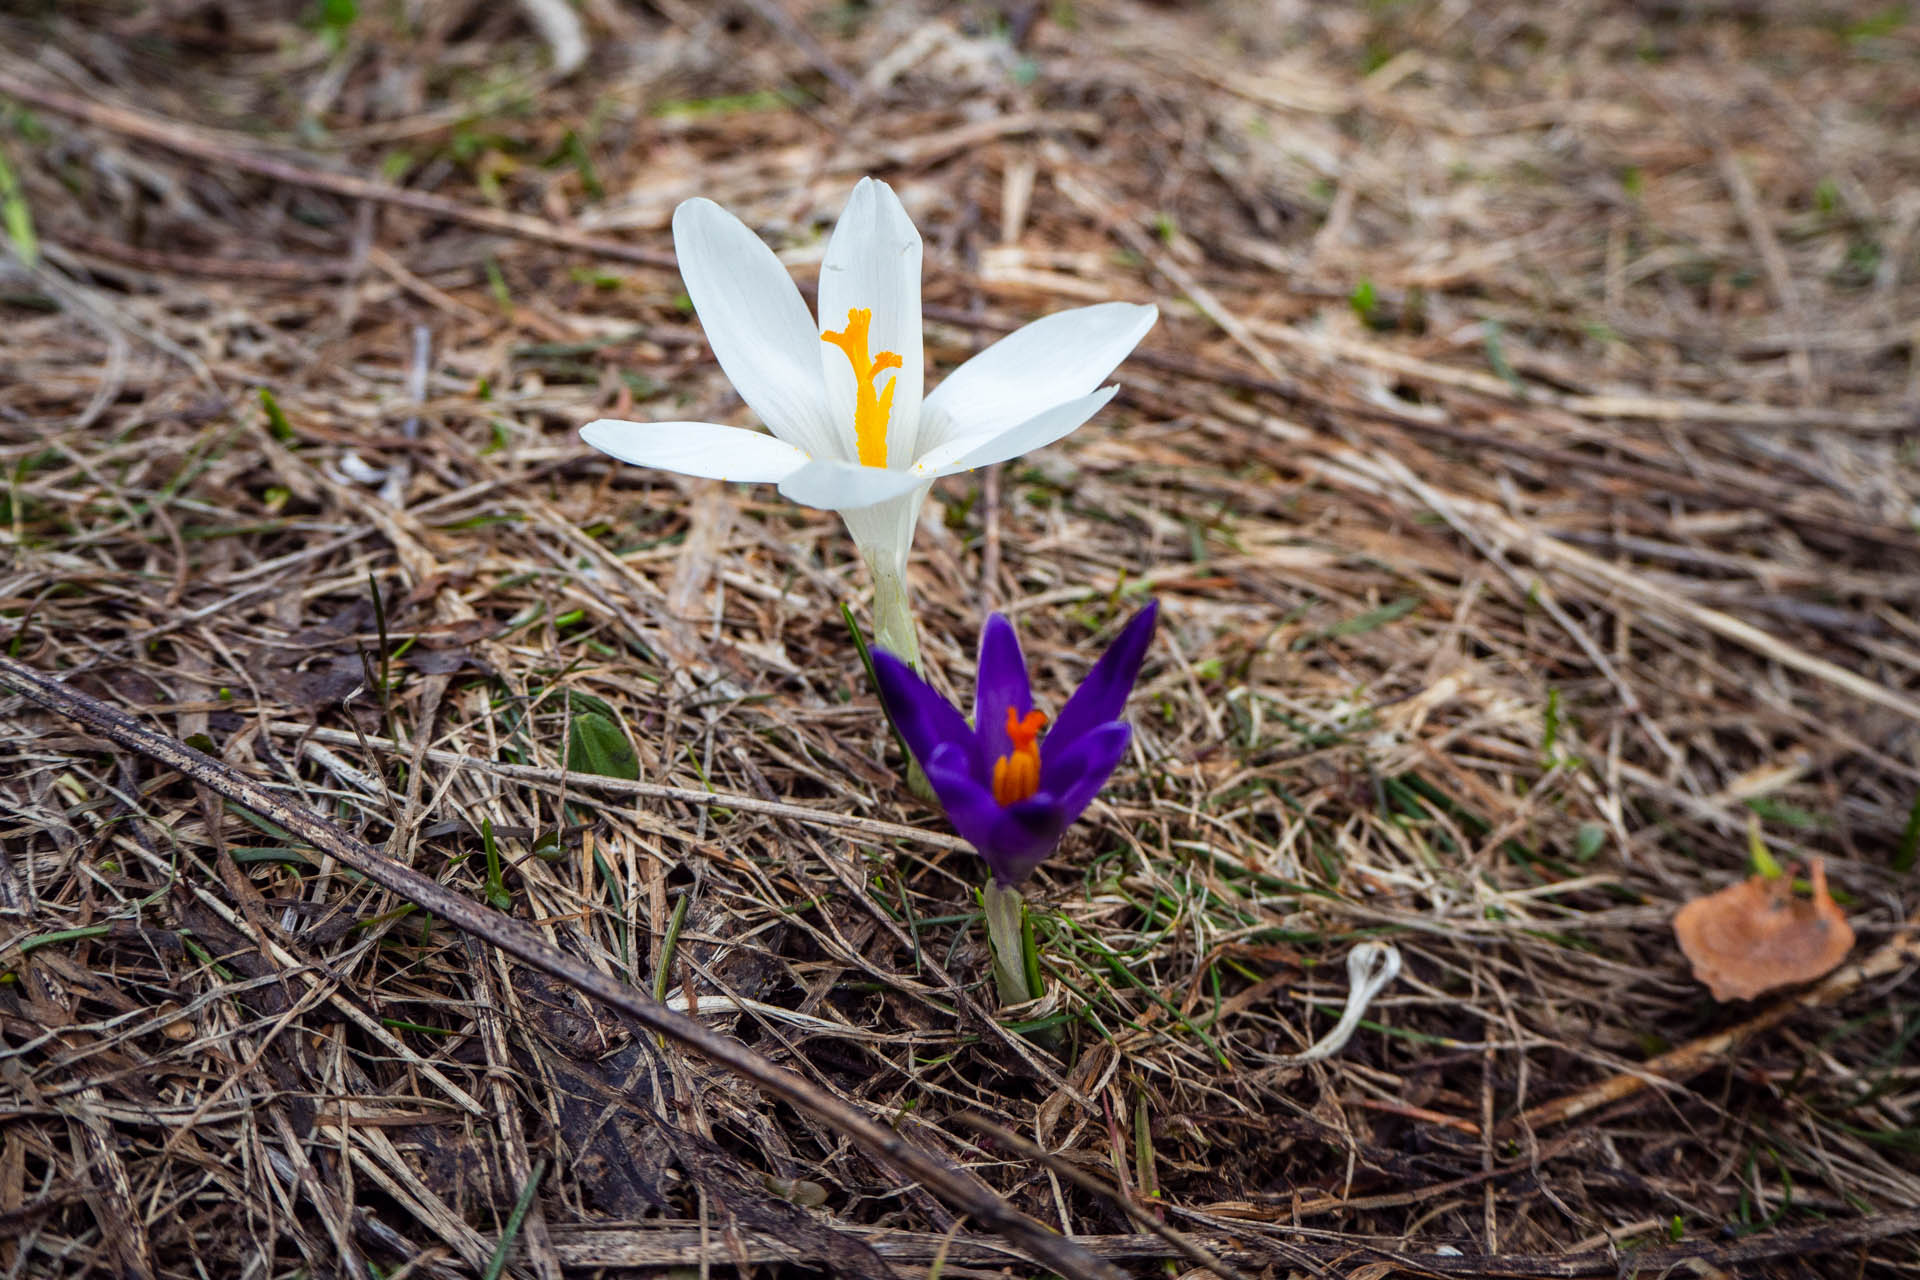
column 873, row 405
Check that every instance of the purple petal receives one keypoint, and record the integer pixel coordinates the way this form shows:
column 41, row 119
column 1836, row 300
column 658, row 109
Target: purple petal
column 1022, row 838
column 1074, row 776
column 1002, row 683
column 1102, row 696
column 1027, row 833
column 970, row 806
column 925, row 720
column 1013, row 840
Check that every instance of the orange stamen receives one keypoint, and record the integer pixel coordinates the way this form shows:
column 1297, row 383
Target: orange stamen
column 872, row 404
column 1016, row 775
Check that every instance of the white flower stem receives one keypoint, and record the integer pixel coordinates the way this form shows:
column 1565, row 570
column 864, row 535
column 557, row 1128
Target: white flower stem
column 1004, row 911
column 893, row 630
column 893, row 615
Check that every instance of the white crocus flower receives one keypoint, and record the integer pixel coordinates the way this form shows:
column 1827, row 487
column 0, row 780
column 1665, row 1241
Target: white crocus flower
column 842, row 398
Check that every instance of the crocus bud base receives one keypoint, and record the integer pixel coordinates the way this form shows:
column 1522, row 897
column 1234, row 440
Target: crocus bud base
column 1005, row 910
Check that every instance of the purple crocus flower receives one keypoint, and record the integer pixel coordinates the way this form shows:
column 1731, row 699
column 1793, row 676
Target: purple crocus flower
column 1007, row 793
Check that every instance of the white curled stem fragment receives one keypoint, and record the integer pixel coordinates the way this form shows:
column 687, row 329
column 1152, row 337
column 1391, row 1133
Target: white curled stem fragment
column 1370, row 967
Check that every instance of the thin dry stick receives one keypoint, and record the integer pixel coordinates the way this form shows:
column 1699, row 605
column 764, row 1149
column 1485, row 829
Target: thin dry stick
column 242, row 157
column 490, row 1014
column 963, row 1192
column 1098, row 205
column 802, row 39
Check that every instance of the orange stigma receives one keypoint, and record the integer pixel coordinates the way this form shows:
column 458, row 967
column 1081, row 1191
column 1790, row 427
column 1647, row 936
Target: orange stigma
column 872, row 406
column 1016, row 775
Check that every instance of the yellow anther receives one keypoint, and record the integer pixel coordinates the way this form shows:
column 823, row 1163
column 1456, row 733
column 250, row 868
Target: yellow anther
column 1016, row 775
column 872, row 405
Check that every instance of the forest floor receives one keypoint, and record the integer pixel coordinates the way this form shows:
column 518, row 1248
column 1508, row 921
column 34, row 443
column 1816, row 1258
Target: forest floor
column 1525, row 462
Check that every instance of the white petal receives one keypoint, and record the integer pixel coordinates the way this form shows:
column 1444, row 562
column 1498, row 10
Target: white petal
column 873, row 261
column 696, row 449
column 756, row 323
column 1056, row 358
column 841, row 486
column 981, row 449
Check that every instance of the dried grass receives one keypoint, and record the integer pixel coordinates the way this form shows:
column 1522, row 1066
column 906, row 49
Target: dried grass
column 1524, row 461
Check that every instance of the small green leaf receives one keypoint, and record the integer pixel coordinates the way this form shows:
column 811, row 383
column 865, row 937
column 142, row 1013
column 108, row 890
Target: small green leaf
column 1878, row 25
column 724, row 105
column 573, row 151
column 1773, row 809
column 497, row 285
column 873, row 680
column 1360, row 624
column 1030, row 952
column 1492, row 333
column 17, row 218
column 1909, row 850
column 586, row 702
column 497, row 1264
column 1365, row 301
column 1588, row 839
column 496, row 889
column 276, row 420
column 1764, row 863
column 28, row 945
column 596, row 744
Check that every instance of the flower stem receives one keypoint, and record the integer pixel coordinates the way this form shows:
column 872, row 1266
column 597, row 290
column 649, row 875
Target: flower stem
column 894, row 631
column 1005, row 912
column 893, row 615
